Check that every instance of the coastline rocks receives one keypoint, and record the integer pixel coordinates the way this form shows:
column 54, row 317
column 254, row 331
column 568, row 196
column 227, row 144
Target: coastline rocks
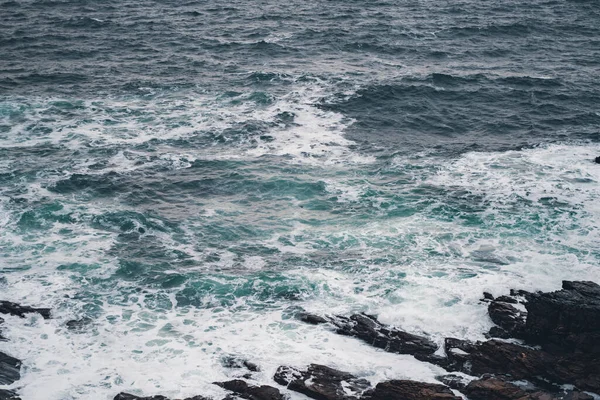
column 8, row 395
column 410, row 390
column 7, row 307
column 322, row 383
column 127, row 396
column 567, row 320
column 239, row 363
column 10, row 369
column 510, row 320
column 368, row 329
column 520, row 362
column 249, row 392
column 494, row 388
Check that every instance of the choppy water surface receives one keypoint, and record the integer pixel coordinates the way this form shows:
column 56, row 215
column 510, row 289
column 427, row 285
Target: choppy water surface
column 186, row 175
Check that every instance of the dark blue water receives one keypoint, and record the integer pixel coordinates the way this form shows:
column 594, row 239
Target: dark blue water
column 186, row 174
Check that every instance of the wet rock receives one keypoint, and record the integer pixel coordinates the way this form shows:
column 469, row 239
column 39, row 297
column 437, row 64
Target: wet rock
column 497, row 388
column 520, row 362
column 235, row 362
column 8, row 395
column 507, row 317
column 497, row 332
column 520, row 293
column 487, row 297
column 507, row 299
column 312, row 319
column 128, row 396
column 7, row 307
column 78, row 325
column 456, row 382
column 10, row 369
column 491, row 388
column 322, row 383
column 566, row 320
column 367, row 328
column 410, row 390
column 245, row 391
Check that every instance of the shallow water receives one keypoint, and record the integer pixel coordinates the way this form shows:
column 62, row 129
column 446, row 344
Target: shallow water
column 187, row 176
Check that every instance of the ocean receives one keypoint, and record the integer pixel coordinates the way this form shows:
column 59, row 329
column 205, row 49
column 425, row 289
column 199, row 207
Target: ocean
column 182, row 177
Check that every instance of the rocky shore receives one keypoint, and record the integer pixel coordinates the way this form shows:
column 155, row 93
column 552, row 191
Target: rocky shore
column 545, row 346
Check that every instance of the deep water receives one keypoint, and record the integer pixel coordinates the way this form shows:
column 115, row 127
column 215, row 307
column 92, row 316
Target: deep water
column 184, row 176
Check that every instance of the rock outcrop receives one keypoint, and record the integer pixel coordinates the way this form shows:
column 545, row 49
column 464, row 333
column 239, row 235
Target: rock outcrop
column 368, row 329
column 250, row 392
column 494, row 388
column 567, row 320
column 410, row 390
column 7, row 307
column 322, row 383
column 127, row 396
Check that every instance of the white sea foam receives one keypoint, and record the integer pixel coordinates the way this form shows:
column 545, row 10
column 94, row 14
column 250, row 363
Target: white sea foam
column 432, row 284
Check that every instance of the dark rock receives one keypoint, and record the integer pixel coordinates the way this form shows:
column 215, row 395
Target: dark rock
column 410, row 390
column 520, row 362
column 8, row 395
column 597, row 160
column 507, row 299
column 7, row 307
column 235, row 362
column 520, row 293
column 507, row 317
column 312, row 319
column 497, row 332
column 10, row 369
column 491, row 388
column 78, row 325
column 127, row 396
column 487, row 296
column 567, row 320
column 322, row 383
column 497, row 388
column 245, row 391
column 367, row 328
column 456, row 382
column 2, row 338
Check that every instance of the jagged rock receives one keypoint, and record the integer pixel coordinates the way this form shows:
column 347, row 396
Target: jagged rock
column 322, row 383
column 8, row 395
column 495, row 388
column 507, row 299
column 235, row 362
column 520, row 362
column 487, row 296
column 10, row 369
column 520, row 293
column 456, row 382
column 507, row 317
column 491, row 388
column 410, row 390
column 566, row 320
column 367, row 328
column 128, row 396
column 78, row 325
column 497, row 332
column 245, row 391
column 7, row 307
